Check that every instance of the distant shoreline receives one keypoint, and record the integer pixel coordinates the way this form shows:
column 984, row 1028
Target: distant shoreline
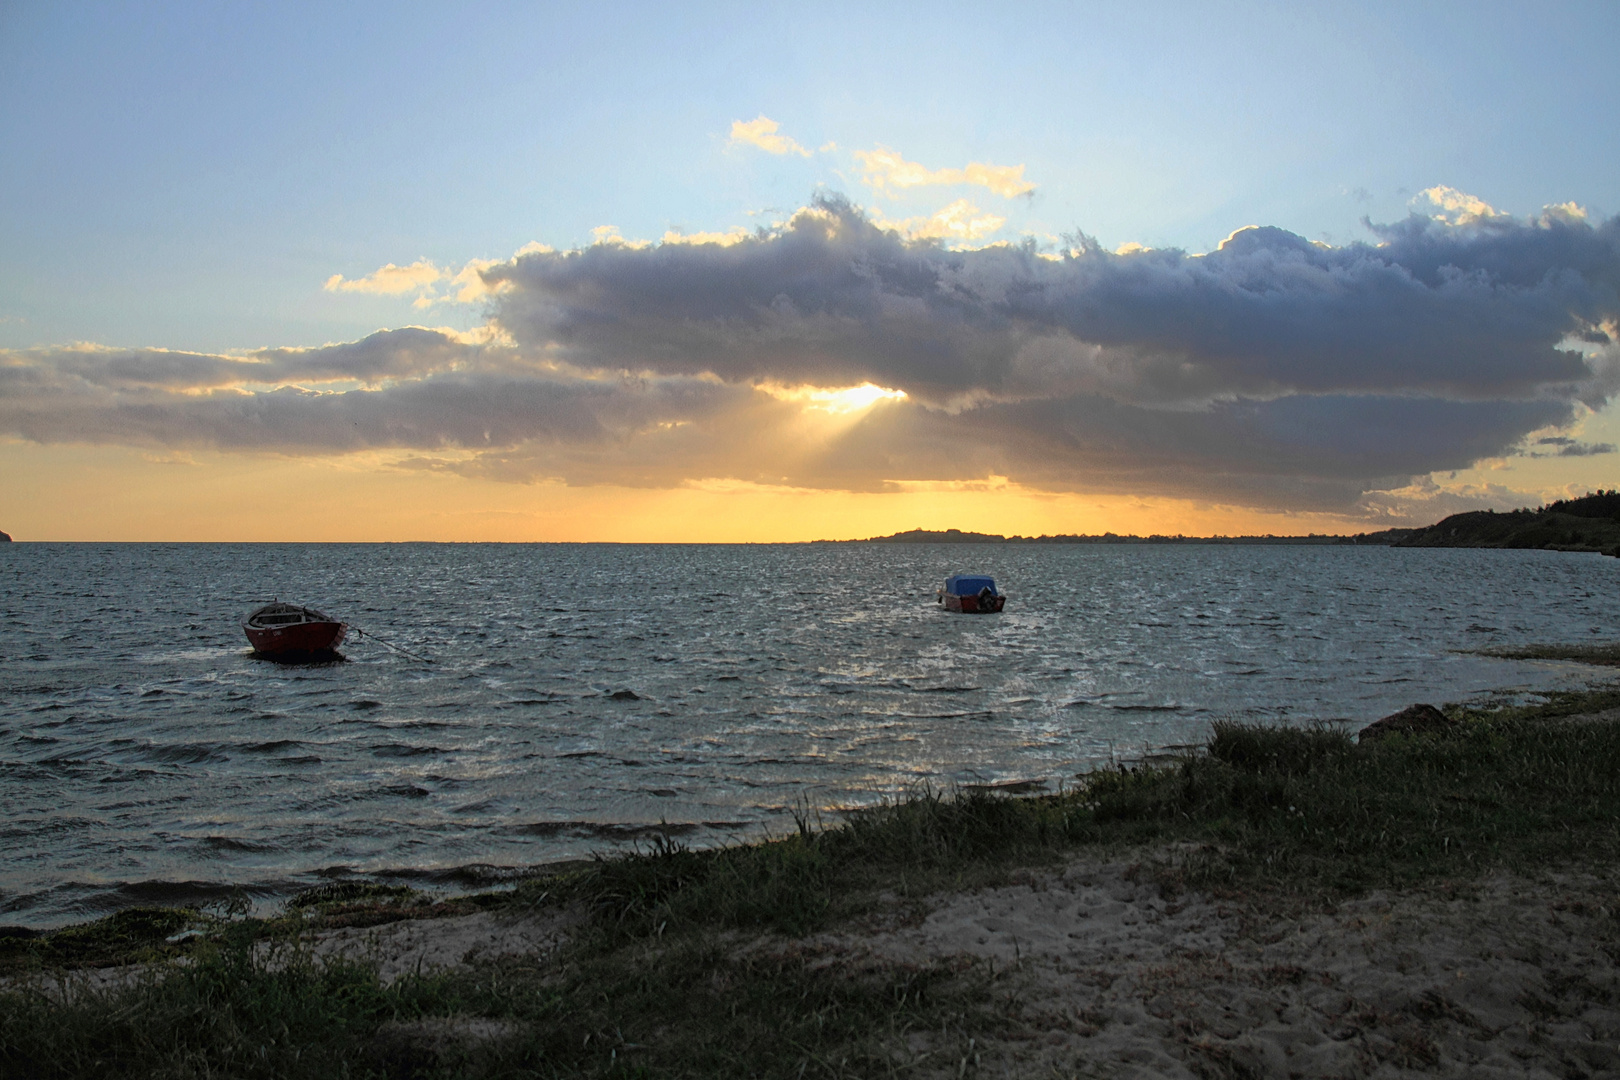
column 956, row 536
column 1590, row 524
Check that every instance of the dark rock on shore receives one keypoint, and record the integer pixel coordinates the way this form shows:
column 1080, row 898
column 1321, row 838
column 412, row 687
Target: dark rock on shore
column 1414, row 719
column 5, row 538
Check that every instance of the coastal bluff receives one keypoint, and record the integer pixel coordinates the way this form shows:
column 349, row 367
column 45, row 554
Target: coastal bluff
column 1589, row 523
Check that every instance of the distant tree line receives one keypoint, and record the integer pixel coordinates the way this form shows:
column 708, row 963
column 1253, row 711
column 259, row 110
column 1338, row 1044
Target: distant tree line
column 1556, row 525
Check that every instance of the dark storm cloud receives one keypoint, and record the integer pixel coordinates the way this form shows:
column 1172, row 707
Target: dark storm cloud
column 1271, row 372
column 411, row 351
column 464, row 396
column 1302, row 453
column 1318, row 453
column 1457, row 311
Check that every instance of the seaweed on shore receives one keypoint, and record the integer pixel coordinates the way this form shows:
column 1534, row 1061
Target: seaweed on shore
column 1603, row 654
column 130, row 936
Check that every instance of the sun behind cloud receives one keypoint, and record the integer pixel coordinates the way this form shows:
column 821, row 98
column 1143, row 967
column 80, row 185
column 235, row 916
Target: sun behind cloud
column 838, row 401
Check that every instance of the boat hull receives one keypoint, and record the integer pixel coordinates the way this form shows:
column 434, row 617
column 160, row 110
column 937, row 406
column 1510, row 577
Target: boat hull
column 973, row 604
column 306, row 637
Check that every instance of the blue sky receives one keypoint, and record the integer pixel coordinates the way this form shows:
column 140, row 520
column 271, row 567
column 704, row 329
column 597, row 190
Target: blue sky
column 189, row 176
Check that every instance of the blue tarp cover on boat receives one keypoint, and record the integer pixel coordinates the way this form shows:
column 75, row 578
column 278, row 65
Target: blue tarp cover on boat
column 969, row 584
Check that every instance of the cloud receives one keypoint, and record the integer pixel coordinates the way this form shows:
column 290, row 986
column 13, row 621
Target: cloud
column 81, row 370
column 1426, row 501
column 831, row 298
column 1563, row 446
column 761, row 132
column 410, row 388
column 1457, row 207
column 961, row 220
column 609, row 236
column 885, row 168
column 831, row 352
column 464, row 286
column 724, row 239
column 467, row 286
column 391, row 280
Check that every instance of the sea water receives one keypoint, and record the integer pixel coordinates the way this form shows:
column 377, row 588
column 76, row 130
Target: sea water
column 581, row 698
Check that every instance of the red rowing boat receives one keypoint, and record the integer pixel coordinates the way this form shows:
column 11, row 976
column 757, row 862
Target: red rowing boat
column 289, row 628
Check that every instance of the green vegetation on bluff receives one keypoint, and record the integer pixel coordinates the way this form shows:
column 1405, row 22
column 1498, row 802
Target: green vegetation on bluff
column 659, row 979
column 1590, row 523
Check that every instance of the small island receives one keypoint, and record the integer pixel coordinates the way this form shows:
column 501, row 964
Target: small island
column 957, row 536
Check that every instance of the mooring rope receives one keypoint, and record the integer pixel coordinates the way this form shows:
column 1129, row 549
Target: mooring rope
column 390, row 644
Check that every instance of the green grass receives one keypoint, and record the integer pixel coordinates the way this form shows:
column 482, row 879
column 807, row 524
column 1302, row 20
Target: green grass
column 683, row 1007
column 1304, row 810
column 661, row 980
column 230, row 1012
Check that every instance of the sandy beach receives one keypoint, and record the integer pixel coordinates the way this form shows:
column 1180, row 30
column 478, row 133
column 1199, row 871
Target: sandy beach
column 1113, row 974
column 1508, row 977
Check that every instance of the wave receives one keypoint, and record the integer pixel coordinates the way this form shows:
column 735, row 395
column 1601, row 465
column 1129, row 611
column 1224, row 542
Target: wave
column 181, row 753
column 231, row 843
column 603, row 830
column 405, row 750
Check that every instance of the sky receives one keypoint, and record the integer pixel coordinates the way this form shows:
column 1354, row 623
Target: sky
column 728, row 272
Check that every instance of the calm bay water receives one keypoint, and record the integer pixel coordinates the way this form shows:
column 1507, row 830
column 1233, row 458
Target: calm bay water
column 146, row 756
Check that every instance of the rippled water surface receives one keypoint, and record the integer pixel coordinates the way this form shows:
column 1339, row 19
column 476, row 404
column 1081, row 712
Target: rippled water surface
column 146, row 755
